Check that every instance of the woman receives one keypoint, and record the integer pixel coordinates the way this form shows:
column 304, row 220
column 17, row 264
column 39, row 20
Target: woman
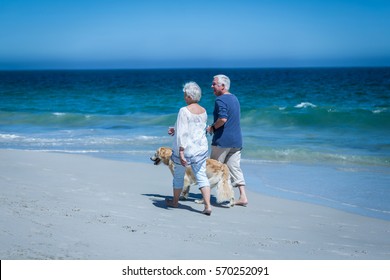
column 190, row 146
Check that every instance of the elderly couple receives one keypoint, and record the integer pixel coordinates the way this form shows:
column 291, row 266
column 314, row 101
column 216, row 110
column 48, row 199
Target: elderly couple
column 190, row 145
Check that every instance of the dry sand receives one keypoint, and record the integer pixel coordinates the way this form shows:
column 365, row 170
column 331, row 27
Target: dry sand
column 61, row 206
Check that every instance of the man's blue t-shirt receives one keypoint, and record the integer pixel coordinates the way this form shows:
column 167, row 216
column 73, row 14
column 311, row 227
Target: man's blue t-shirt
column 229, row 135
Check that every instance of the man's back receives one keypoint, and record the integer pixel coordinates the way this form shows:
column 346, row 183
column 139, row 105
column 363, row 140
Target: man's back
column 229, row 135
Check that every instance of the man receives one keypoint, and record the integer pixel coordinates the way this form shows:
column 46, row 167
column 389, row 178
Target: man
column 227, row 139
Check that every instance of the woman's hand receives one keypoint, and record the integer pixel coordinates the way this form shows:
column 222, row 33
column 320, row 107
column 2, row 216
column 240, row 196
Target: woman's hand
column 210, row 130
column 183, row 160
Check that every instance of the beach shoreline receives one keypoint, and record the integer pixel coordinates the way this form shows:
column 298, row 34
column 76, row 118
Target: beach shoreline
column 355, row 189
column 66, row 206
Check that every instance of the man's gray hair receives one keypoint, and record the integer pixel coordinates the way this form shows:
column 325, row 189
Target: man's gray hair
column 192, row 90
column 222, row 79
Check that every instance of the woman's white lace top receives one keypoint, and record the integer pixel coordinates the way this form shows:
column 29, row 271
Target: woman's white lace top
column 190, row 133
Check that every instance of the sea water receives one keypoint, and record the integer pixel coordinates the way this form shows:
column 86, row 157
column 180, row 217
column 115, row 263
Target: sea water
column 334, row 122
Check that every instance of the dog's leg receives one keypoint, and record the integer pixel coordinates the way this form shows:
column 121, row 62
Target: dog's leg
column 232, row 203
column 199, row 201
column 224, row 187
column 185, row 192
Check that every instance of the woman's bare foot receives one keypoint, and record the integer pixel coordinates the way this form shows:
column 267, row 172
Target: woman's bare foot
column 207, row 212
column 170, row 203
column 239, row 203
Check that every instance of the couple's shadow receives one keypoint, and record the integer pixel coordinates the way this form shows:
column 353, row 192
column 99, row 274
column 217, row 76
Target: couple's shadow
column 159, row 201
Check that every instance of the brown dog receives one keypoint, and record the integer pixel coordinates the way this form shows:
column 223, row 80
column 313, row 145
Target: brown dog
column 217, row 173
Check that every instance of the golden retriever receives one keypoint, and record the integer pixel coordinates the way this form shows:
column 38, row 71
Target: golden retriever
column 217, row 173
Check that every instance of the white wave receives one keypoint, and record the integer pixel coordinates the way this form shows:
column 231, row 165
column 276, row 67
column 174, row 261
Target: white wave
column 305, row 105
column 68, row 151
column 59, row 114
column 9, row 136
column 146, row 138
column 378, row 111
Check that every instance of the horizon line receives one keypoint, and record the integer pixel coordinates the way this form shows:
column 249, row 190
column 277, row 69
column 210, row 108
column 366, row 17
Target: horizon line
column 186, row 68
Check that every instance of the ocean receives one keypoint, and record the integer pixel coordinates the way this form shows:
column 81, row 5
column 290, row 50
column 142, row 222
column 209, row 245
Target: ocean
column 334, row 122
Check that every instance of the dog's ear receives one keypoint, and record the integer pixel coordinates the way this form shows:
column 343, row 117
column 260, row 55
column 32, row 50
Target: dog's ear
column 165, row 152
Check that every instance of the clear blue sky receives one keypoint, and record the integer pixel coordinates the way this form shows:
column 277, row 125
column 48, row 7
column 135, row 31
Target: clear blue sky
column 55, row 34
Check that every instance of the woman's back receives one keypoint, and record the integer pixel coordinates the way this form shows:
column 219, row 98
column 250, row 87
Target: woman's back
column 191, row 131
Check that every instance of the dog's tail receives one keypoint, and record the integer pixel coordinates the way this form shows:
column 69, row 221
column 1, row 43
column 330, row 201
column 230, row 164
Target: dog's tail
column 224, row 188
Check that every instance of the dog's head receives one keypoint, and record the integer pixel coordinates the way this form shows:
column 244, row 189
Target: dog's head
column 163, row 154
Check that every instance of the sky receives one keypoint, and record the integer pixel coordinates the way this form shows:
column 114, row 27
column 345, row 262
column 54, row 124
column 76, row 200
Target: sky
column 125, row 34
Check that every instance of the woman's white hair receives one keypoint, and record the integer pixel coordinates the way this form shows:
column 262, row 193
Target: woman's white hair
column 191, row 89
column 222, row 79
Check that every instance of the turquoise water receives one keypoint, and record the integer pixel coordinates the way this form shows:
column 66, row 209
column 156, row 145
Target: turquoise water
column 333, row 117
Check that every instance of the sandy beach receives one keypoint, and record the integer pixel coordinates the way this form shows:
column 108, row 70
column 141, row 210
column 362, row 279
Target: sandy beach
column 62, row 206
